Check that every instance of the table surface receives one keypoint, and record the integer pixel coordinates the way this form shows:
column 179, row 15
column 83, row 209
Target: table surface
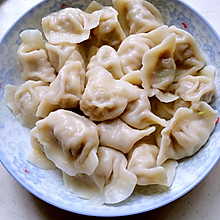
column 203, row 202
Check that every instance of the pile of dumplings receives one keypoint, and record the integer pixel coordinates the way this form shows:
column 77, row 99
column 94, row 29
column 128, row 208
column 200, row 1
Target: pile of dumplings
column 113, row 97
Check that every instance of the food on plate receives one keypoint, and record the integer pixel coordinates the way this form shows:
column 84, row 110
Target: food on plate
column 113, row 96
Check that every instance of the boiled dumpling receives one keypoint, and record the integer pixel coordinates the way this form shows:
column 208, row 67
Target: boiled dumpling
column 33, row 59
column 167, row 110
column 110, row 183
column 105, row 97
column 132, row 50
column 133, row 77
column 118, row 135
column 196, row 88
column 142, row 161
column 25, row 99
column 137, row 16
column 58, row 53
column 70, row 25
column 138, row 113
column 66, row 90
column 187, row 56
column 186, row 133
column 37, row 156
column 109, row 31
column 158, row 70
column 107, row 58
column 70, row 141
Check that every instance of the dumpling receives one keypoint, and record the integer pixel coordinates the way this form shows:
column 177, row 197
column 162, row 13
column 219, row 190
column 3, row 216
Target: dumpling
column 196, row 88
column 142, row 161
column 33, row 59
column 208, row 71
column 66, row 90
column 138, row 113
column 110, row 183
column 70, row 25
column 167, row 110
column 132, row 50
column 105, row 97
column 118, row 135
column 187, row 56
column 25, row 99
column 186, row 133
column 70, row 141
column 133, row 47
column 158, row 35
column 158, row 70
column 58, row 53
column 107, row 58
column 109, row 31
column 133, row 77
column 137, row 16
column 37, row 156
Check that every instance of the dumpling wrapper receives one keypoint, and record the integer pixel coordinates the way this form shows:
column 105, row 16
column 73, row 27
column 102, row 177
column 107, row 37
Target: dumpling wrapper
column 107, row 58
column 70, row 25
column 25, row 99
column 59, row 53
column 188, row 58
column 131, row 51
column 197, row 88
column 67, row 89
column 137, row 16
column 37, row 156
column 70, row 141
column 33, row 59
column 104, row 97
column 138, row 113
column 109, row 31
column 118, row 135
column 158, row 70
column 142, row 161
column 110, row 183
column 186, row 132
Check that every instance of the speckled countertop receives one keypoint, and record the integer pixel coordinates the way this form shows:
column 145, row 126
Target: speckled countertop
column 201, row 203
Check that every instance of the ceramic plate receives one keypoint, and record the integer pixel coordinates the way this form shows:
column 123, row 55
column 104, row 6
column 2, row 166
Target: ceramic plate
column 48, row 185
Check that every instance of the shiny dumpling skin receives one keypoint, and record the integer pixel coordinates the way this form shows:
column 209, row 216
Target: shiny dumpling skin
column 118, row 135
column 37, row 156
column 132, row 50
column 59, row 53
column 142, row 161
column 105, row 97
column 137, row 16
column 187, row 56
column 33, row 59
column 70, row 25
column 66, row 90
column 109, row 31
column 134, row 78
column 25, row 99
column 186, row 133
column 101, row 58
column 133, row 47
column 159, row 68
column 110, row 183
column 70, row 141
column 138, row 113
column 197, row 88
column 167, row 110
